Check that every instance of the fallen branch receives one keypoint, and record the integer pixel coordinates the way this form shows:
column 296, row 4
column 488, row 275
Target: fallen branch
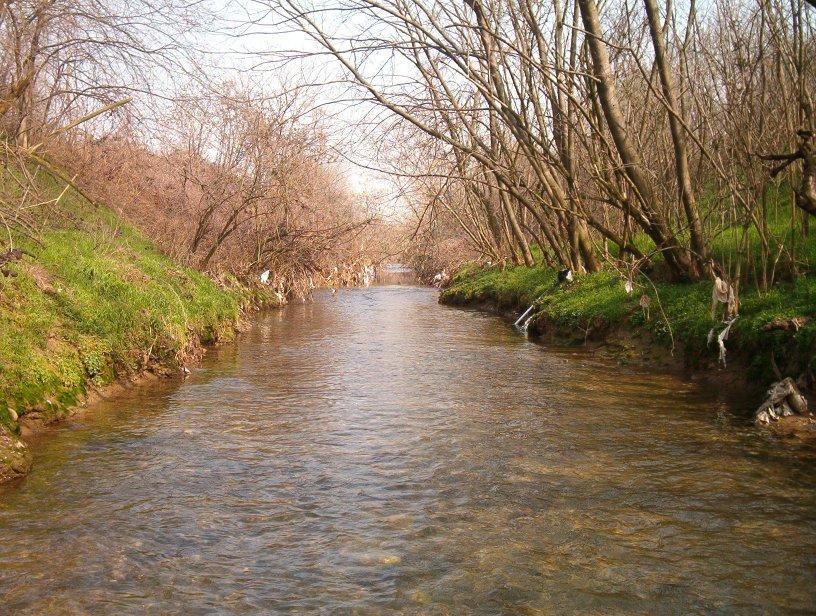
column 784, row 399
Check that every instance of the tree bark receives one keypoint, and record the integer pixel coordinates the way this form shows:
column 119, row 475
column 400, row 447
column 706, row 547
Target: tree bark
column 652, row 221
column 678, row 137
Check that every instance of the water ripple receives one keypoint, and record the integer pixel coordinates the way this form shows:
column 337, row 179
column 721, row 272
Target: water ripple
column 377, row 452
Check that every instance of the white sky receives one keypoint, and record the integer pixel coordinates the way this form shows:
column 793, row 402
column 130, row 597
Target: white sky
column 235, row 48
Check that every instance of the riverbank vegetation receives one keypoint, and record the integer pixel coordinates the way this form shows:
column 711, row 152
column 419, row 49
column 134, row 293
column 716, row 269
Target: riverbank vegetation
column 774, row 336
column 631, row 134
column 89, row 300
column 228, row 173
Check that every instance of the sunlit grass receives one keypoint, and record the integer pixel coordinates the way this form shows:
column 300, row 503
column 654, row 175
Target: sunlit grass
column 679, row 313
column 96, row 301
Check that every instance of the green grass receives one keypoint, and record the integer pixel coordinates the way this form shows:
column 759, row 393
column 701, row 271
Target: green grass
column 596, row 303
column 97, row 301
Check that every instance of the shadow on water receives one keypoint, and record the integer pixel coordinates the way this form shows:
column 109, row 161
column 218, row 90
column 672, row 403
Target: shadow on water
column 376, row 451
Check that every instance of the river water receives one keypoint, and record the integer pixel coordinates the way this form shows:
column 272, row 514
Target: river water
column 375, row 452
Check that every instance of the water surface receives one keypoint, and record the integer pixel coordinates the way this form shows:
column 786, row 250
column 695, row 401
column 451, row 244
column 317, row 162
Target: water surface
column 376, row 452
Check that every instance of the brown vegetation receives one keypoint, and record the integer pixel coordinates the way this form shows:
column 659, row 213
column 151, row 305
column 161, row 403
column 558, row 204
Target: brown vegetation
column 227, row 178
column 239, row 186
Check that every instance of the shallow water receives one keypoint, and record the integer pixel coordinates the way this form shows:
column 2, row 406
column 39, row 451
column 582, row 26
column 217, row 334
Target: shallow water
column 377, row 452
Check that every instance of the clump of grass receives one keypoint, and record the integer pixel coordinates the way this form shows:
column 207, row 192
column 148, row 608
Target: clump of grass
column 593, row 302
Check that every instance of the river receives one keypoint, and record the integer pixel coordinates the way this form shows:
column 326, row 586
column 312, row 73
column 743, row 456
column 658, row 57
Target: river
column 376, row 452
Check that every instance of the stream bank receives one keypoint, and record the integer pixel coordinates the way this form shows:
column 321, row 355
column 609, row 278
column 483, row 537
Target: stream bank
column 773, row 338
column 88, row 303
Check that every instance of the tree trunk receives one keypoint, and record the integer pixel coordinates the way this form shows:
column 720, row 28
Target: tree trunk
column 652, row 221
column 678, row 138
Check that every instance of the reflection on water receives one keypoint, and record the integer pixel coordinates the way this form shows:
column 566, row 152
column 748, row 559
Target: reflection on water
column 377, row 452
column 396, row 273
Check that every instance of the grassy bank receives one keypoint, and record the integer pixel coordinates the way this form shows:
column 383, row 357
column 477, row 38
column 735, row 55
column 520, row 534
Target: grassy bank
column 596, row 307
column 93, row 302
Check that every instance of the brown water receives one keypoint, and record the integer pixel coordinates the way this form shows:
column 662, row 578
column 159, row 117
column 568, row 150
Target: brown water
column 377, row 452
